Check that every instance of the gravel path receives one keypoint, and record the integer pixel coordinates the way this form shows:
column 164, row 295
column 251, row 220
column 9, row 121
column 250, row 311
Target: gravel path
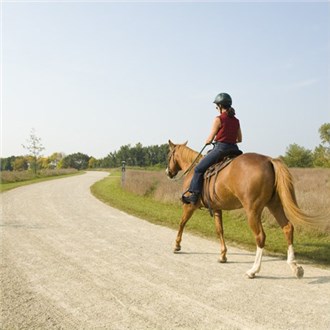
column 68, row 261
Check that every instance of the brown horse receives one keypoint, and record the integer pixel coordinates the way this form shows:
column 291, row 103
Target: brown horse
column 251, row 181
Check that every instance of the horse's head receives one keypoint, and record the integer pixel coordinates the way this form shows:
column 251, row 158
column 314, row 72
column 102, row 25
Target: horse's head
column 173, row 166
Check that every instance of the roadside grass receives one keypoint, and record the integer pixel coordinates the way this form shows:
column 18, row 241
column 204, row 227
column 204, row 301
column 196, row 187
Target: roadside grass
column 13, row 181
column 310, row 246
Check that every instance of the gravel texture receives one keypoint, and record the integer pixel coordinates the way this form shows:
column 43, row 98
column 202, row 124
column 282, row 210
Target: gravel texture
column 68, row 261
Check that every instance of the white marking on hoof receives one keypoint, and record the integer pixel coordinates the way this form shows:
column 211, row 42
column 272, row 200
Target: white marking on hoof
column 297, row 270
column 250, row 275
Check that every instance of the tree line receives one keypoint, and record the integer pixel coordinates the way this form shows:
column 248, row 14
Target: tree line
column 298, row 156
column 137, row 155
column 147, row 156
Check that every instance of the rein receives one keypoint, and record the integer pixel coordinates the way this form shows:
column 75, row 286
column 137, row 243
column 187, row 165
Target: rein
column 191, row 166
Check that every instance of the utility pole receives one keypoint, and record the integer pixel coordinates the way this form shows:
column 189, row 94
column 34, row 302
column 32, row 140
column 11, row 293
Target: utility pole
column 123, row 173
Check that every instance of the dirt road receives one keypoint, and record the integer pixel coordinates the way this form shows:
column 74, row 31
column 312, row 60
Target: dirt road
column 68, row 261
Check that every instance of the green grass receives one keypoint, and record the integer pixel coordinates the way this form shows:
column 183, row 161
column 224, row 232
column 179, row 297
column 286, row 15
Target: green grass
column 12, row 185
column 309, row 246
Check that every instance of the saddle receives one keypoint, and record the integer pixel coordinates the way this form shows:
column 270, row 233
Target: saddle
column 214, row 170
column 222, row 163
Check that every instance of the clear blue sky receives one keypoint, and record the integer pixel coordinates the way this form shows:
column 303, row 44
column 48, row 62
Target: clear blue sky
column 93, row 76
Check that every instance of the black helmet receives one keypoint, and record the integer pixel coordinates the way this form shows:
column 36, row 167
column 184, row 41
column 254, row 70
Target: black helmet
column 223, row 99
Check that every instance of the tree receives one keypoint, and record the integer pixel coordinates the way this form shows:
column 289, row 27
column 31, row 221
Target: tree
column 124, row 154
column 92, row 163
column 321, row 157
column 324, row 131
column 109, row 161
column 34, row 147
column 55, row 160
column 297, row 156
column 6, row 164
column 322, row 152
column 78, row 161
column 20, row 164
column 43, row 162
column 136, row 156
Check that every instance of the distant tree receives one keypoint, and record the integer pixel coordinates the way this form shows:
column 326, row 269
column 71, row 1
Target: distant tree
column 60, row 164
column 136, row 156
column 322, row 152
column 92, row 163
column 297, row 156
column 78, row 161
column 55, row 160
column 324, row 131
column 321, row 157
column 162, row 153
column 34, row 148
column 20, row 164
column 43, row 162
column 6, row 164
column 124, row 154
column 109, row 161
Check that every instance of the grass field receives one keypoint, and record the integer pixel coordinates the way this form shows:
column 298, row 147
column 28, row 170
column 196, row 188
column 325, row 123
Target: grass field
column 151, row 196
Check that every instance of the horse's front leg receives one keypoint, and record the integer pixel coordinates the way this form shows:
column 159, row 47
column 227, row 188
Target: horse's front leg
column 188, row 210
column 219, row 229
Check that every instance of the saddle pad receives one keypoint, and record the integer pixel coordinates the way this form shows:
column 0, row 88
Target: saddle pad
column 216, row 168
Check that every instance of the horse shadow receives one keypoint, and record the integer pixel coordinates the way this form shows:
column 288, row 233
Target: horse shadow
column 312, row 279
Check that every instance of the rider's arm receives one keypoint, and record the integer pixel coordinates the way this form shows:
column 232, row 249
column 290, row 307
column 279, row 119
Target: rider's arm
column 214, row 130
column 239, row 135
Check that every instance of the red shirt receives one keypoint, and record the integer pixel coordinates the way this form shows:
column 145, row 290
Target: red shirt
column 228, row 130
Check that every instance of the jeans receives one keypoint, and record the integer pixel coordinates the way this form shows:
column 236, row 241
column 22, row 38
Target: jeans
column 214, row 156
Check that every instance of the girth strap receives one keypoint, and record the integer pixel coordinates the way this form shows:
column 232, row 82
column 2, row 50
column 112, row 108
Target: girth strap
column 213, row 171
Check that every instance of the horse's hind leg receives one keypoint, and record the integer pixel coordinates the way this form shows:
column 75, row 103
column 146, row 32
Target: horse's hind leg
column 219, row 229
column 188, row 210
column 275, row 207
column 254, row 220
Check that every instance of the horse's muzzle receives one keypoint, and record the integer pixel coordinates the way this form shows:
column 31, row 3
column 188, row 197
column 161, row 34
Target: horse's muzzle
column 169, row 173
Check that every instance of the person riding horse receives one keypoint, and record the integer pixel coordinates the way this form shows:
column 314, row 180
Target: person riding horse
column 226, row 132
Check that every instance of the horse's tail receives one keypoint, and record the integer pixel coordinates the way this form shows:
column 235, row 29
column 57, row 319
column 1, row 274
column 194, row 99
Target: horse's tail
column 285, row 189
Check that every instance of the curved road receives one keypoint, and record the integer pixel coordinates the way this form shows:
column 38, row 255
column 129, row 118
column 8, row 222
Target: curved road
column 68, row 261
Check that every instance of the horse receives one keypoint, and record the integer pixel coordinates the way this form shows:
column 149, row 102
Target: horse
column 251, row 181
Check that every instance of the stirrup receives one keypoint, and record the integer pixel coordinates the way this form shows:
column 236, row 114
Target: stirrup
column 191, row 199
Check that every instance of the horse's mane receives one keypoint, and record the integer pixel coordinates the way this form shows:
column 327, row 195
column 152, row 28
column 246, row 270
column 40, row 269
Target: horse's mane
column 188, row 154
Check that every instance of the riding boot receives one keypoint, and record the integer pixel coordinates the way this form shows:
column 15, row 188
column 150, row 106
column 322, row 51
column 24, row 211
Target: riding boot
column 191, row 199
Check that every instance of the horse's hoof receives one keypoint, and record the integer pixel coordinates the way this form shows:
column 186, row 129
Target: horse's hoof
column 177, row 249
column 250, row 275
column 299, row 272
column 223, row 260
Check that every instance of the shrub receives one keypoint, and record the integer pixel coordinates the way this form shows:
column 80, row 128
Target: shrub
column 18, row 176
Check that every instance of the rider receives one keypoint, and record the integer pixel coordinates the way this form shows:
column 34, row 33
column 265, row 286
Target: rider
column 226, row 132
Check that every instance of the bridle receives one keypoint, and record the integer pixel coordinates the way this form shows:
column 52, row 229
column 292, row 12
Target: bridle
column 191, row 165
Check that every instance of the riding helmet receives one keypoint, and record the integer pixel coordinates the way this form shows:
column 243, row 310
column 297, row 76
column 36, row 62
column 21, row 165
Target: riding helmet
column 223, row 99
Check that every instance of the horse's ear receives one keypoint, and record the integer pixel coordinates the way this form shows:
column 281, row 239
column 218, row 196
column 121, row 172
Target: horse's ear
column 172, row 145
column 185, row 143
